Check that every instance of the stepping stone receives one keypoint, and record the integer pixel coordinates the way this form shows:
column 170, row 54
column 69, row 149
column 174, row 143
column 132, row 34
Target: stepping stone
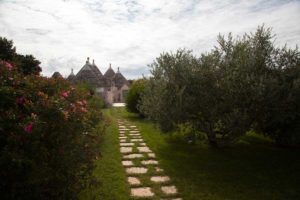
column 132, row 126
column 142, row 144
column 126, row 144
column 144, row 149
column 151, row 155
column 134, row 155
column 136, row 170
column 142, row 192
column 136, row 140
column 133, row 181
column 169, row 189
column 133, row 134
column 122, row 126
column 122, row 131
column 133, row 131
column 122, row 140
column 149, row 162
column 160, row 179
column 123, row 137
column 158, row 169
column 127, row 163
column 136, row 136
column 126, row 149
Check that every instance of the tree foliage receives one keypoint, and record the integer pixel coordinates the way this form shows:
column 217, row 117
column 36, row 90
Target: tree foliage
column 134, row 95
column 25, row 64
column 243, row 83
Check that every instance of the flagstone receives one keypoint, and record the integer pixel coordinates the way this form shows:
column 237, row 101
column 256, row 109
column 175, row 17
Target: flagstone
column 126, row 149
column 136, row 137
column 122, row 137
column 160, row 179
column 144, row 149
column 122, row 140
column 133, row 181
column 151, row 155
column 133, row 131
column 134, row 155
column 127, row 163
column 126, row 144
column 136, row 170
column 133, row 134
column 142, row 192
column 136, row 140
column 169, row 189
column 124, row 129
column 149, row 162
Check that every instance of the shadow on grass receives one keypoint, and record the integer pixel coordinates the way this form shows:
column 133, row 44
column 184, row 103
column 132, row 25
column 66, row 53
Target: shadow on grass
column 252, row 169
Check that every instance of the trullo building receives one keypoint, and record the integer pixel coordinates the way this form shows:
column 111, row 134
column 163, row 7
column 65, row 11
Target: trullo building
column 112, row 86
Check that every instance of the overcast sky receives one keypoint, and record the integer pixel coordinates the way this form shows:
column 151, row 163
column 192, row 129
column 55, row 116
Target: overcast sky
column 130, row 34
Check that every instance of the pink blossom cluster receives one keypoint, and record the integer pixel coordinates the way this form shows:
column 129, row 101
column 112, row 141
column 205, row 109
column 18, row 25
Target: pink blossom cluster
column 6, row 64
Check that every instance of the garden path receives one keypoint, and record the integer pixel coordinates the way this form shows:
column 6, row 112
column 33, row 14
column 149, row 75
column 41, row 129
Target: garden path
column 145, row 177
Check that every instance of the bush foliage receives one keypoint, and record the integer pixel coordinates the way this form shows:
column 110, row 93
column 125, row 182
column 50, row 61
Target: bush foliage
column 49, row 135
column 134, row 95
column 244, row 83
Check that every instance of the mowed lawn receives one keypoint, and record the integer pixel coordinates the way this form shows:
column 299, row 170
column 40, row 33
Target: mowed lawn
column 252, row 169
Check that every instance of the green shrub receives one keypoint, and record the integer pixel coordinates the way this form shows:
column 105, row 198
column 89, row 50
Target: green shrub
column 134, row 95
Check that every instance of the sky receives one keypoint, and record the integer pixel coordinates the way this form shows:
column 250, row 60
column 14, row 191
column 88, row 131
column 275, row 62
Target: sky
column 130, row 34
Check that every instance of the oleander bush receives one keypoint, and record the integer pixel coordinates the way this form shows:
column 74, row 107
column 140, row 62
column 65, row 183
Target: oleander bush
column 49, row 135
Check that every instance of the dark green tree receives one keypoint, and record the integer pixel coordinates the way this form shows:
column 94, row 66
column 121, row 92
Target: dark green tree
column 26, row 64
column 7, row 49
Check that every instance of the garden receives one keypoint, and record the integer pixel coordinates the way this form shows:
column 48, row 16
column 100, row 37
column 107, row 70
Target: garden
column 222, row 125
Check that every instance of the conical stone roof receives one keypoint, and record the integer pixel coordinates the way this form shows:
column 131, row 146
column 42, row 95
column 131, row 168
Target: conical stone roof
column 56, row 75
column 119, row 79
column 72, row 78
column 109, row 74
column 89, row 73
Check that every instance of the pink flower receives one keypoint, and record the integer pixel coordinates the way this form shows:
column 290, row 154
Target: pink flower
column 20, row 101
column 6, row 64
column 65, row 94
column 66, row 115
column 28, row 128
column 84, row 110
column 79, row 102
column 33, row 116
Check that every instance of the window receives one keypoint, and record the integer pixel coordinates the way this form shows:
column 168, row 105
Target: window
column 124, row 93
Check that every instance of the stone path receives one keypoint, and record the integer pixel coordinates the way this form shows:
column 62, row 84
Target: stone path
column 146, row 179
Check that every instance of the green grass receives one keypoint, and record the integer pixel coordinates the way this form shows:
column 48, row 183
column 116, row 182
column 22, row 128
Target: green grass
column 252, row 169
column 109, row 171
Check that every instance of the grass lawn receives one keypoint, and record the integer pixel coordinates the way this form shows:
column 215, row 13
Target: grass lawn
column 109, row 171
column 252, row 169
